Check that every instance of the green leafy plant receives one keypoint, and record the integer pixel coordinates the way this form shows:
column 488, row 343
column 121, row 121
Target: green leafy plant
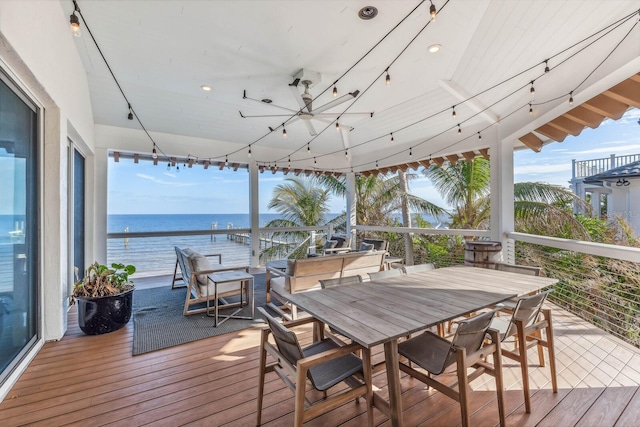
column 100, row 281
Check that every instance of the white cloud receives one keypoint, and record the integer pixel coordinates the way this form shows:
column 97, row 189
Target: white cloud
column 607, row 150
column 540, row 169
column 169, row 174
column 161, row 182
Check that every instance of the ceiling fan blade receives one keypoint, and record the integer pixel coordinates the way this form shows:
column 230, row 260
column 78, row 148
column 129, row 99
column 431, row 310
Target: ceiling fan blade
column 332, row 122
column 262, row 115
column 310, row 128
column 268, row 103
column 337, row 101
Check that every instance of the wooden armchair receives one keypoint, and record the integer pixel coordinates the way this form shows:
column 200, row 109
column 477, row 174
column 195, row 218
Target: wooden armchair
column 525, row 327
column 325, row 363
column 467, row 350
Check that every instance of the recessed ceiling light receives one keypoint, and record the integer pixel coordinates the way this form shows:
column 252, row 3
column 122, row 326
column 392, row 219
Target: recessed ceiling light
column 434, row 48
column 206, row 88
column 367, row 12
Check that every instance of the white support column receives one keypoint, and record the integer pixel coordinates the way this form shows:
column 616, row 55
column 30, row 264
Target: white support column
column 100, row 178
column 254, row 213
column 351, row 207
column 595, row 203
column 502, row 212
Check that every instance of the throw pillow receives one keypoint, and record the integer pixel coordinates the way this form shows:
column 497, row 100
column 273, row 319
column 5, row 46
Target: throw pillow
column 366, row 247
column 330, row 244
column 341, row 241
column 199, row 263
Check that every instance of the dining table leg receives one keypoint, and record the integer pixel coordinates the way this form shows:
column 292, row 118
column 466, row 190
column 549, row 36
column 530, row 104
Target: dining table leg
column 393, row 382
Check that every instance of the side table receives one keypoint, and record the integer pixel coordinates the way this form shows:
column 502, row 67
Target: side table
column 241, row 276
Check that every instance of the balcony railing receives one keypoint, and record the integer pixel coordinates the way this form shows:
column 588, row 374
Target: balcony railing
column 585, row 168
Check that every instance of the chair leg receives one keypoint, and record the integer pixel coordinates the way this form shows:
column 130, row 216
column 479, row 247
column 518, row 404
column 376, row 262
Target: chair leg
column 538, row 337
column 263, row 364
column 551, row 349
column 497, row 373
column 463, row 386
column 524, row 367
column 301, row 378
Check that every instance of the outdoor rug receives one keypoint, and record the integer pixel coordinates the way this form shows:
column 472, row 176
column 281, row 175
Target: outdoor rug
column 158, row 321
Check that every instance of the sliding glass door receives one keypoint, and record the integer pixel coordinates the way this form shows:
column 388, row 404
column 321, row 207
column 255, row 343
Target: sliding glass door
column 18, row 226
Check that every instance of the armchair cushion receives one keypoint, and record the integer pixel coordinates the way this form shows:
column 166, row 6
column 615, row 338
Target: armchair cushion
column 341, row 242
column 366, row 247
column 199, row 263
column 330, row 244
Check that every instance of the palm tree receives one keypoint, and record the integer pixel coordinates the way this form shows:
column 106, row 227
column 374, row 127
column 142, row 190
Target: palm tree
column 538, row 207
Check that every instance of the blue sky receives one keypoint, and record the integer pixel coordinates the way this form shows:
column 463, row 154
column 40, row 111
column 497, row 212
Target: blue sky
column 143, row 188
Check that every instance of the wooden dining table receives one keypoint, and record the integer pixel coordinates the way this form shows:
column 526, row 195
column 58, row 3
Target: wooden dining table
column 382, row 311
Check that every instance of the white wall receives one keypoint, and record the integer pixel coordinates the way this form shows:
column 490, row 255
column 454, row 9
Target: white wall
column 37, row 49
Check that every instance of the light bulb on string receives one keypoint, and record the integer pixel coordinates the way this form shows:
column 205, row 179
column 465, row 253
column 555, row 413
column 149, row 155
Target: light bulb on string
column 392, row 140
column 530, row 110
column 546, row 65
column 453, row 113
column 308, row 148
column 74, row 22
column 169, row 166
column 177, row 168
column 432, row 11
column 459, row 130
column 479, row 136
column 346, row 153
column 377, row 165
column 249, row 153
column 410, row 151
column 130, row 115
column 388, row 79
column 315, row 162
column 571, row 98
column 284, row 131
column 337, row 125
column 532, row 90
column 226, row 160
column 289, row 163
column 335, row 91
column 154, row 152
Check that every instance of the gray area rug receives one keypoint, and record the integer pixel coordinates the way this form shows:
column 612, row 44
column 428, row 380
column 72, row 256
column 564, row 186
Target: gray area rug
column 158, row 321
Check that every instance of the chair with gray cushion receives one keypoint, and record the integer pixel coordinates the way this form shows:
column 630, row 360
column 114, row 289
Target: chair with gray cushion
column 394, row 272
column 525, row 326
column 418, row 268
column 468, row 350
column 378, row 244
column 325, row 363
column 196, row 269
column 338, row 281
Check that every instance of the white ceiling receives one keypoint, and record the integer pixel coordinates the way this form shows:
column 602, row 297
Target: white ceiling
column 163, row 51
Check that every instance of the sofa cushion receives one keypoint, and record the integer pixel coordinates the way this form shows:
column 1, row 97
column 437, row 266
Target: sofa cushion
column 199, row 263
column 366, row 247
column 342, row 242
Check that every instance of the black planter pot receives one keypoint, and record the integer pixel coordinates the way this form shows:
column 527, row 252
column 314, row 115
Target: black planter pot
column 104, row 314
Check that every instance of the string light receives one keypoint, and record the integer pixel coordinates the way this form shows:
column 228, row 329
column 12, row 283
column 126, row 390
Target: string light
column 532, row 90
column 410, row 151
column 74, row 21
column 169, row 166
column 546, row 65
column 284, row 131
column 289, row 163
column 571, row 98
column 308, row 148
column 346, row 153
column 377, row 165
column 226, row 160
column 337, row 125
column 315, row 162
column 530, row 110
column 453, row 113
column 432, row 11
column 335, row 91
column 392, row 140
column 388, row 78
column 479, row 136
column 249, row 153
column 154, row 152
column 459, row 130
column 130, row 115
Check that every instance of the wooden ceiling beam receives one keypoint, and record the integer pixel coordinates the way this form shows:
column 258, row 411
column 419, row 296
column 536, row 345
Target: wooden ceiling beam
column 484, row 152
column 566, row 124
column 585, row 117
column 403, row 167
column 532, row 141
column 469, row 156
column 308, row 172
column 453, row 158
column 606, row 106
column 414, row 165
column 236, row 166
column 438, row 161
column 393, row 169
column 627, row 92
column 551, row 132
column 220, row 165
column 384, row 171
column 116, row 156
column 297, row 172
column 425, row 163
column 206, row 164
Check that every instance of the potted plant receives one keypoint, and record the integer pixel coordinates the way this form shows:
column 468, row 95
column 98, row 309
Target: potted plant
column 105, row 298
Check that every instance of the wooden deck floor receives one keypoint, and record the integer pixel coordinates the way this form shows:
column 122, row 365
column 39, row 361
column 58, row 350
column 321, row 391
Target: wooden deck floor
column 94, row 380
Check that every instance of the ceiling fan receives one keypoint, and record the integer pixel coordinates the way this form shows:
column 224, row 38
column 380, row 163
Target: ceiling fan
column 306, row 113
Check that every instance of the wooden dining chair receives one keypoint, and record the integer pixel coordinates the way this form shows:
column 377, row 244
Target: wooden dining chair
column 525, row 326
column 348, row 280
column 325, row 363
column 394, row 272
column 468, row 350
column 418, row 268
